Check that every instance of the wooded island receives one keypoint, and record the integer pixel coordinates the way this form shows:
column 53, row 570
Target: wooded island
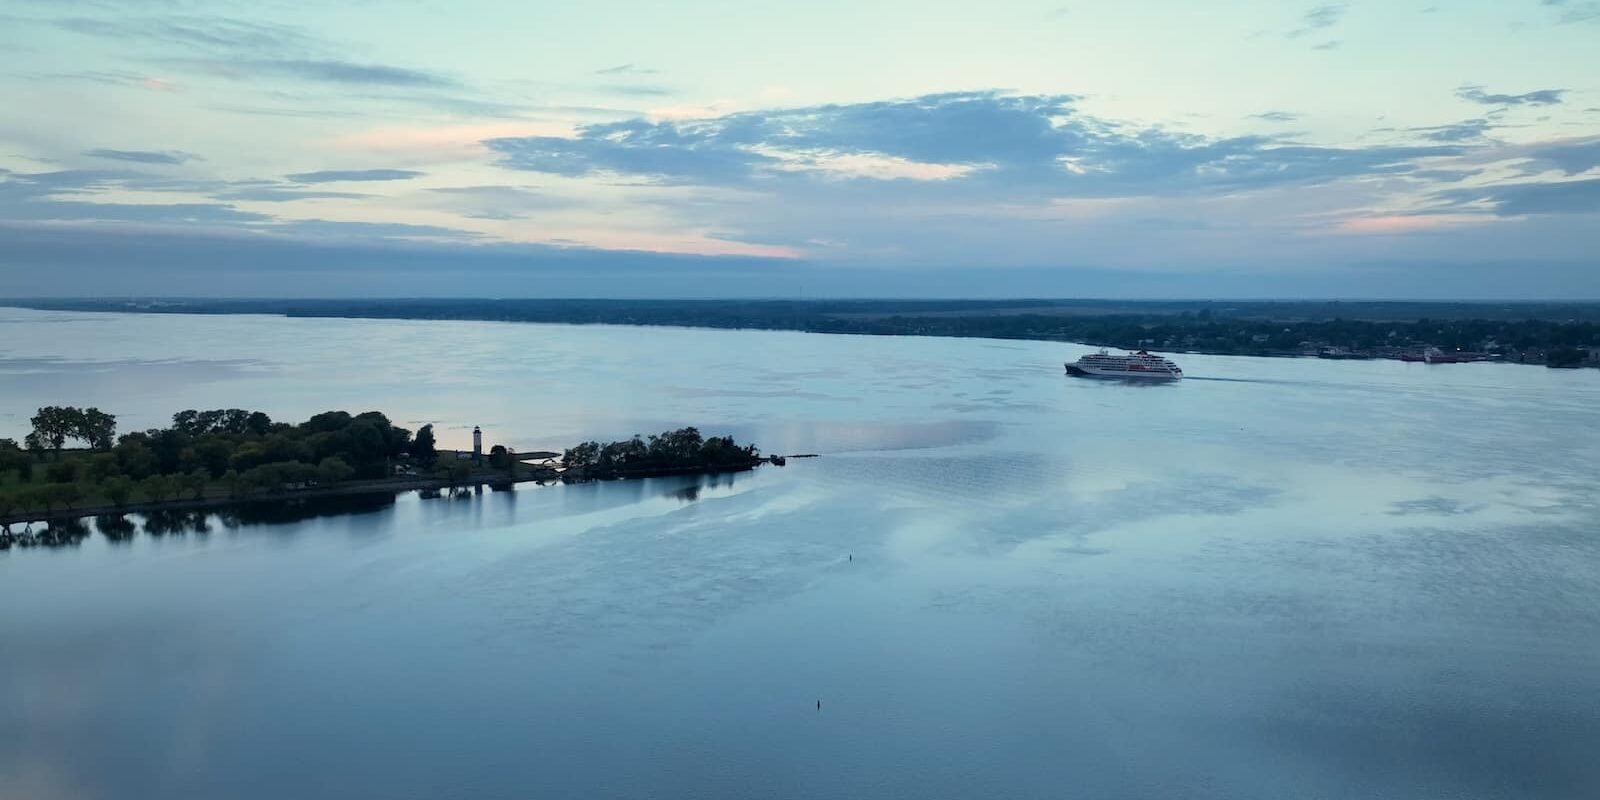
column 224, row 456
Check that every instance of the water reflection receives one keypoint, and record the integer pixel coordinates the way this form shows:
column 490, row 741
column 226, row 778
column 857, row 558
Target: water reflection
column 56, row 533
column 366, row 511
column 116, row 527
column 300, row 510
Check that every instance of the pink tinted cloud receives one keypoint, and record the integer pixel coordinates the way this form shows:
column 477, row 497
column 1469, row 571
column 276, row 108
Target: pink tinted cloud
column 443, row 141
column 1398, row 224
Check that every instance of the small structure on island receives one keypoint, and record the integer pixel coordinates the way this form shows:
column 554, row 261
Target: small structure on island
column 477, row 446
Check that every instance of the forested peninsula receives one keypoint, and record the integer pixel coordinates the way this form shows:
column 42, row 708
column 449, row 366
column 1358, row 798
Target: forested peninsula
column 227, row 456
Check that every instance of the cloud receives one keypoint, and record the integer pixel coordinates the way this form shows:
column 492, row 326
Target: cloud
column 204, row 33
column 111, row 78
column 634, row 90
column 359, row 231
column 243, row 49
column 274, row 194
column 1022, row 145
column 500, row 202
column 1318, row 18
column 1541, row 97
column 91, row 181
column 626, row 69
column 143, row 156
column 1520, row 199
column 335, row 175
column 1574, row 12
column 1331, row 45
column 1443, row 175
column 1276, row 116
column 1463, row 131
column 1571, row 156
column 323, row 70
column 39, row 197
column 174, row 213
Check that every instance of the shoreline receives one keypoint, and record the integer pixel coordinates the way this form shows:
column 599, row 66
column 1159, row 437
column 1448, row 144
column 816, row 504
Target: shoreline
column 1020, row 320
column 351, row 488
column 393, row 486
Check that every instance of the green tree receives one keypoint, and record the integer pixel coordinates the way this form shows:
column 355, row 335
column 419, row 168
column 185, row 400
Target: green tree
column 423, row 449
column 157, row 488
column 196, row 481
column 213, row 453
column 117, row 489
column 500, row 457
column 65, row 495
column 61, row 472
column 137, row 459
column 586, row 454
column 96, row 428
column 102, row 466
column 334, row 470
column 28, row 498
column 53, row 425
column 236, row 484
column 258, row 423
column 12, row 457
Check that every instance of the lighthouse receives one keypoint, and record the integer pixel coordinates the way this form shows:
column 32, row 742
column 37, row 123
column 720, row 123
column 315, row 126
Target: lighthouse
column 477, row 445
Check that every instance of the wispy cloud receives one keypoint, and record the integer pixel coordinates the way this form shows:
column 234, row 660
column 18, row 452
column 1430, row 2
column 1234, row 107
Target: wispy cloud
column 279, row 194
column 1463, row 131
column 197, row 32
column 143, row 156
column 1571, row 156
column 1318, row 18
column 500, row 202
column 626, row 69
column 1276, row 116
column 349, row 230
column 243, row 49
column 1532, row 198
column 336, row 175
column 63, row 196
column 1542, row 97
column 1570, row 12
column 321, row 70
column 634, row 90
column 112, row 78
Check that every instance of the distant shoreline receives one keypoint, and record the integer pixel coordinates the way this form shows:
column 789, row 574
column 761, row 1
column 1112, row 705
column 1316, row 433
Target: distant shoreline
column 1561, row 334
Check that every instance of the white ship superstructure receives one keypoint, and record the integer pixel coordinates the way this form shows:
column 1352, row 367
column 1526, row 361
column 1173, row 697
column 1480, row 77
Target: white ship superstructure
column 1140, row 365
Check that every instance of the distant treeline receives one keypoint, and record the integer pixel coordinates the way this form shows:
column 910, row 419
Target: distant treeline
column 789, row 314
column 681, row 450
column 1235, row 327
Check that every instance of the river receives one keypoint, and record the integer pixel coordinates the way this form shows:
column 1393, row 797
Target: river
column 1277, row 578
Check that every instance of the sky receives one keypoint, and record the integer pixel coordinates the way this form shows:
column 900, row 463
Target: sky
column 1118, row 148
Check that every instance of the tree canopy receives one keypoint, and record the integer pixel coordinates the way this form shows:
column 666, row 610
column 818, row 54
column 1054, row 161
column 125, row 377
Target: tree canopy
column 244, row 450
column 682, row 449
column 54, row 425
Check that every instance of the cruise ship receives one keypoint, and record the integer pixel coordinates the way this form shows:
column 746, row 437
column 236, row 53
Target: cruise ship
column 1140, row 365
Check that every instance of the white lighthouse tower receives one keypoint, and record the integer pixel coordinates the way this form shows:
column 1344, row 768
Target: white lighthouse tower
column 477, row 445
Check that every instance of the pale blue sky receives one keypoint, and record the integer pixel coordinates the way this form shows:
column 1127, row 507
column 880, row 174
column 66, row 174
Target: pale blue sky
column 1447, row 149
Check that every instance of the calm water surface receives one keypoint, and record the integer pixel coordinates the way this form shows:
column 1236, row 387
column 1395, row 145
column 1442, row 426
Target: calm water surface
column 1281, row 578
